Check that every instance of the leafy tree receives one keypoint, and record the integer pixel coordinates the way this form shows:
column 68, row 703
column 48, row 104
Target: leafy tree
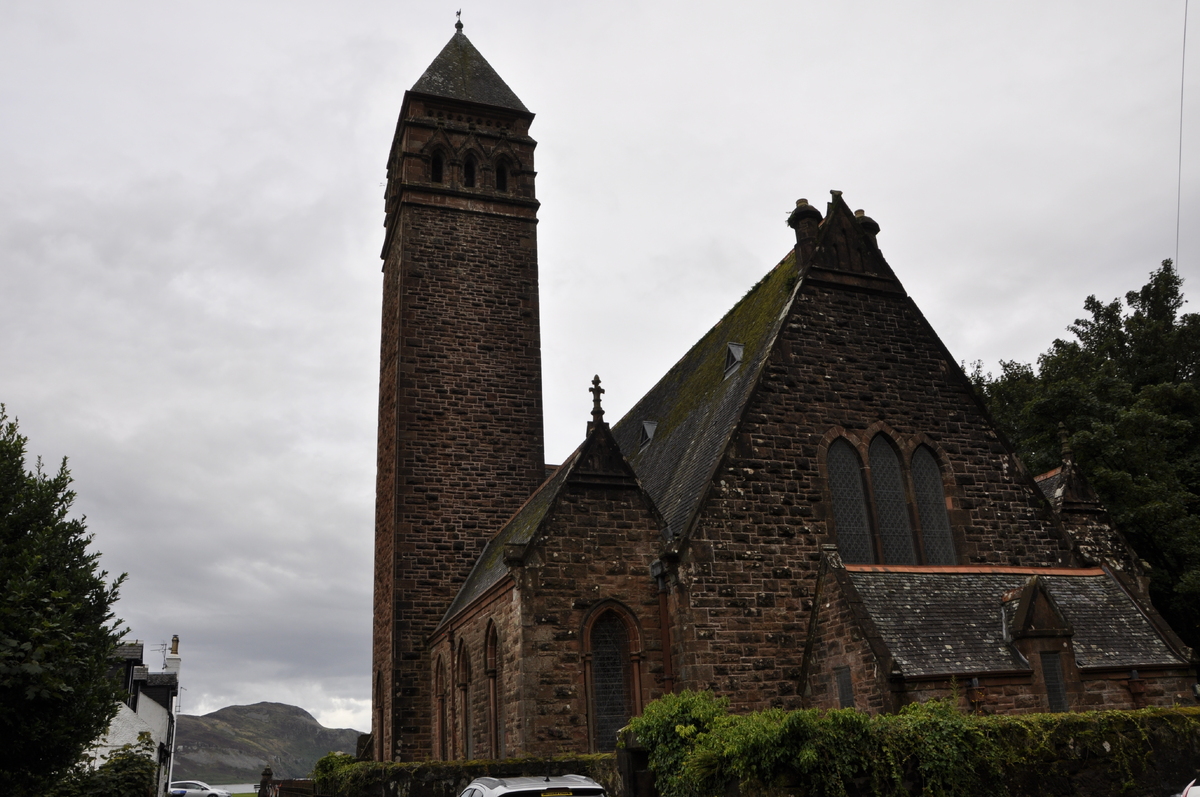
column 1127, row 390
column 57, row 631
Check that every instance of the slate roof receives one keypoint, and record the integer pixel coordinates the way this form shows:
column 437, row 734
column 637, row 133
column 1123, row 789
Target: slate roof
column 946, row 621
column 489, row 568
column 460, row 72
column 697, row 407
column 1050, row 482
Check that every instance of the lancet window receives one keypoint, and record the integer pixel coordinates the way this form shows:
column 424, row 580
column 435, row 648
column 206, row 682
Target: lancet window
column 888, row 512
column 612, row 677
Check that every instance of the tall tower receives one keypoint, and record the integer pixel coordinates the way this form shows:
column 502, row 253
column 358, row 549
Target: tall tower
column 460, row 381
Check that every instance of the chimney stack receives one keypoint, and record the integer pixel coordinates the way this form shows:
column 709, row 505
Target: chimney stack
column 805, row 220
column 172, row 662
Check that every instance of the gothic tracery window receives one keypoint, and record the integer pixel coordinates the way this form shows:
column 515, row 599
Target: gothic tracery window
column 879, row 525
column 891, row 505
column 931, row 508
column 849, row 504
column 611, row 687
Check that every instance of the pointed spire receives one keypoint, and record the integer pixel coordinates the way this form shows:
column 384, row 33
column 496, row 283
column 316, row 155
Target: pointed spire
column 597, row 410
column 460, row 73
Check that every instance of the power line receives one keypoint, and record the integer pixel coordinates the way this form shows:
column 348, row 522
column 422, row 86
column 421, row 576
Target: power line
column 1179, row 182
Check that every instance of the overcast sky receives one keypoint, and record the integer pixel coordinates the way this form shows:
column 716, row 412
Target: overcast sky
column 190, row 224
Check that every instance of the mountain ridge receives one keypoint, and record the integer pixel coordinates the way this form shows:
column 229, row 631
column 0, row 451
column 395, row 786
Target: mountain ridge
column 233, row 744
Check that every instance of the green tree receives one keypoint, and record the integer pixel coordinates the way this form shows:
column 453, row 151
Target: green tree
column 57, row 630
column 1127, row 389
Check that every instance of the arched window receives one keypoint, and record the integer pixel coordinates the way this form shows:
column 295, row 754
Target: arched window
column 613, row 681
column 849, row 504
column 439, row 691
column 931, row 508
column 469, row 172
column 495, row 724
column 464, row 703
column 891, row 504
column 437, row 168
column 881, row 528
column 501, row 176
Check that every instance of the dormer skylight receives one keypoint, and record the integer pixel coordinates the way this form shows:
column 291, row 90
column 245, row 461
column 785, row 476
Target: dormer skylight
column 648, row 428
column 733, row 357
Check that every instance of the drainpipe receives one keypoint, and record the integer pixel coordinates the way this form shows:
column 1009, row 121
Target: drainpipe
column 659, row 571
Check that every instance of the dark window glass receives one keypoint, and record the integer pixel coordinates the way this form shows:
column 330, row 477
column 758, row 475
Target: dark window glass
column 931, row 507
column 845, row 687
column 610, row 679
column 1056, row 687
column 733, row 357
column 501, row 177
column 469, row 173
column 849, row 504
column 436, row 167
column 895, row 531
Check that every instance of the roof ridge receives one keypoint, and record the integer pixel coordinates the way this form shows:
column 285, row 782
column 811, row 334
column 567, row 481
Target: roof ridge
column 697, row 407
column 1031, row 570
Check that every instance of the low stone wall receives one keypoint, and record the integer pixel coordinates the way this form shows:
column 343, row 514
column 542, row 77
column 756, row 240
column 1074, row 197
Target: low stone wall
column 449, row 778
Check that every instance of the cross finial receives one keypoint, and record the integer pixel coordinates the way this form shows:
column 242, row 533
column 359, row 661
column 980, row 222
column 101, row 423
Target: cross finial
column 596, row 391
column 458, row 21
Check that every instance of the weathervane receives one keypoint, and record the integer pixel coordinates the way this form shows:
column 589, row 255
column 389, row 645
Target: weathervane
column 458, row 22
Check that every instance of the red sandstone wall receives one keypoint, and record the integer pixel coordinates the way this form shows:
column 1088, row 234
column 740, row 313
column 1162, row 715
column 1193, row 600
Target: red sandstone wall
column 852, row 361
column 597, row 547
column 840, row 643
column 460, row 432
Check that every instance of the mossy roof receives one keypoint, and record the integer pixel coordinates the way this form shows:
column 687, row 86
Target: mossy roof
column 460, row 72
column 937, row 622
column 697, row 406
column 489, row 568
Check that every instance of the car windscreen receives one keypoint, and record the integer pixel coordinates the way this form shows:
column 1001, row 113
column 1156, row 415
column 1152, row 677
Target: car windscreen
column 558, row 791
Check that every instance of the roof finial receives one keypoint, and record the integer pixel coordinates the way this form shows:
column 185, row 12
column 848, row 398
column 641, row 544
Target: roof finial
column 458, row 21
column 596, row 390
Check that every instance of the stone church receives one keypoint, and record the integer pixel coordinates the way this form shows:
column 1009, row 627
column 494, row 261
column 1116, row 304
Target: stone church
column 812, row 508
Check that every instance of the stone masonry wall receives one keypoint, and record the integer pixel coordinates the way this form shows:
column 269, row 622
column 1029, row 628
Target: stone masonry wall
column 463, row 649
column 596, row 552
column 460, row 432
column 848, row 362
column 840, row 643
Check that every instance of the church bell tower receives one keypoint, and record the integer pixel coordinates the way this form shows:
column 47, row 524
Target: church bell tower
column 460, row 381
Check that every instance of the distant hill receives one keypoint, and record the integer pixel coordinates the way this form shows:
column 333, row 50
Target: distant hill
column 232, row 745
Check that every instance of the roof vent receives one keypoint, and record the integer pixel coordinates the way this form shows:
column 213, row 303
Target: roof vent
column 648, row 428
column 733, row 357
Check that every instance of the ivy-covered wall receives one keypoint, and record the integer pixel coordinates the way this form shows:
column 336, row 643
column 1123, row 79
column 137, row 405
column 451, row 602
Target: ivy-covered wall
column 341, row 775
column 697, row 749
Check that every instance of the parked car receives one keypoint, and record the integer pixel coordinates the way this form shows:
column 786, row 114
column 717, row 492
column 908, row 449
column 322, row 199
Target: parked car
column 1190, row 790
column 194, row 788
column 560, row 786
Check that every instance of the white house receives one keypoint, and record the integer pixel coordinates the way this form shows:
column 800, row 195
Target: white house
column 150, row 706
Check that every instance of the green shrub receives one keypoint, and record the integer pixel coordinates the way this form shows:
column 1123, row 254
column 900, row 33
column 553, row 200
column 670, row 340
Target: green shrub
column 696, row 748
column 130, row 771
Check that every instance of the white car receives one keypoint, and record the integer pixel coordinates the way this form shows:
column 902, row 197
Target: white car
column 561, row 786
column 194, row 788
